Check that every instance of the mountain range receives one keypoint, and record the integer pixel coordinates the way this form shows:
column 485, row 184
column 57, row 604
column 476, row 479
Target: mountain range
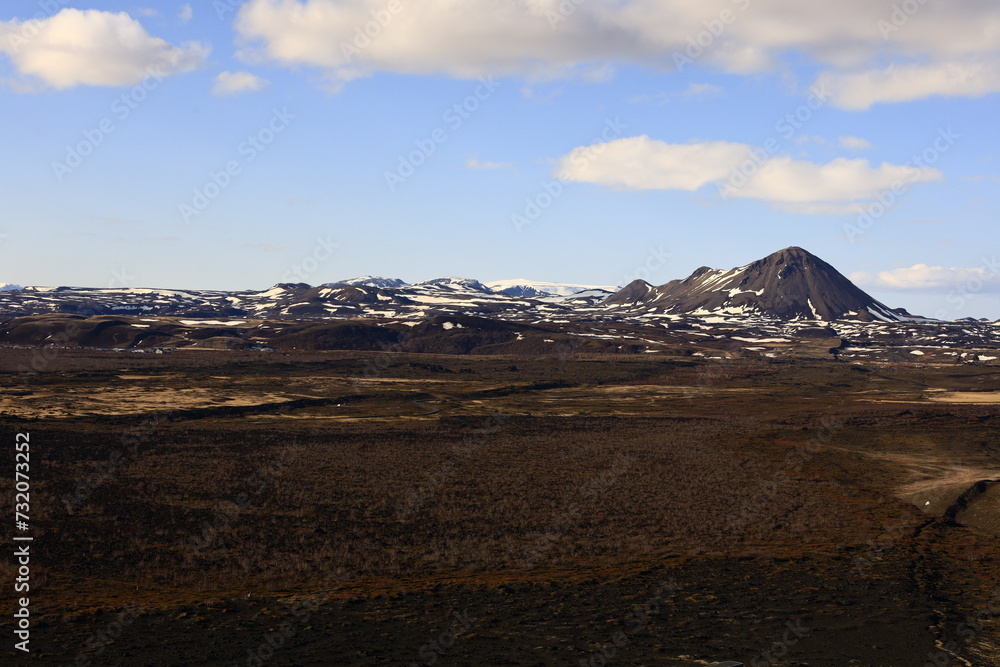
column 788, row 305
column 519, row 287
column 791, row 284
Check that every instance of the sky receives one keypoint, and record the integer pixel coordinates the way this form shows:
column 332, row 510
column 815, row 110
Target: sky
column 234, row 145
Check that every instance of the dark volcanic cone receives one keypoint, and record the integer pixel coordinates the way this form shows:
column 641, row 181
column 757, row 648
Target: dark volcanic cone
column 791, row 283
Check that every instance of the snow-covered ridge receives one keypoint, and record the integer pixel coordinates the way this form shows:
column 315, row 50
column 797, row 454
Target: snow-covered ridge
column 517, row 287
column 530, row 288
column 454, row 283
column 371, row 281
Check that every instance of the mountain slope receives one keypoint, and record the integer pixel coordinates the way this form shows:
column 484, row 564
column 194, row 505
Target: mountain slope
column 788, row 284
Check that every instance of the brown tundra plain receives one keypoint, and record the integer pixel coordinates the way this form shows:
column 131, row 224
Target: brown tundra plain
column 218, row 507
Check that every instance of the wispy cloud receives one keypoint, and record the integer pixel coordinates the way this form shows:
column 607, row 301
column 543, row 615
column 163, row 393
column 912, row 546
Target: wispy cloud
column 235, row 83
column 655, row 98
column 475, row 163
column 810, row 139
column 921, row 277
column 854, row 143
column 702, row 90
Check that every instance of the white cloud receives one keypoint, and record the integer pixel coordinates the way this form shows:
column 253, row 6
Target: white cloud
column 809, row 138
column 186, row 14
column 541, row 39
column 353, row 38
column 923, row 277
column 93, row 48
column 474, row 163
column 782, row 179
column 854, row 143
column 639, row 163
column 904, row 83
column 700, row 90
column 234, row 83
column 658, row 99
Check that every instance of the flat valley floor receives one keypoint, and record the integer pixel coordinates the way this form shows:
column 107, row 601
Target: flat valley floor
column 237, row 508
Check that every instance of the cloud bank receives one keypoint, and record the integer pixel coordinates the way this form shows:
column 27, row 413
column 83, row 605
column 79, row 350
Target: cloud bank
column 921, row 277
column 940, row 48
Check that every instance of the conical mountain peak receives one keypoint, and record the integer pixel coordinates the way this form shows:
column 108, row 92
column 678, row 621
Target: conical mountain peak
column 790, row 283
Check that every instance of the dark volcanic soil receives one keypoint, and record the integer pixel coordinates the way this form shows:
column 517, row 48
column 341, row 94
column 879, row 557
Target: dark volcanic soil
column 505, row 511
column 742, row 608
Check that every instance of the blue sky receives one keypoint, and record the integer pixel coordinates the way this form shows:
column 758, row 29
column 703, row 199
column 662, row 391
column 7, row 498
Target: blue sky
column 543, row 143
